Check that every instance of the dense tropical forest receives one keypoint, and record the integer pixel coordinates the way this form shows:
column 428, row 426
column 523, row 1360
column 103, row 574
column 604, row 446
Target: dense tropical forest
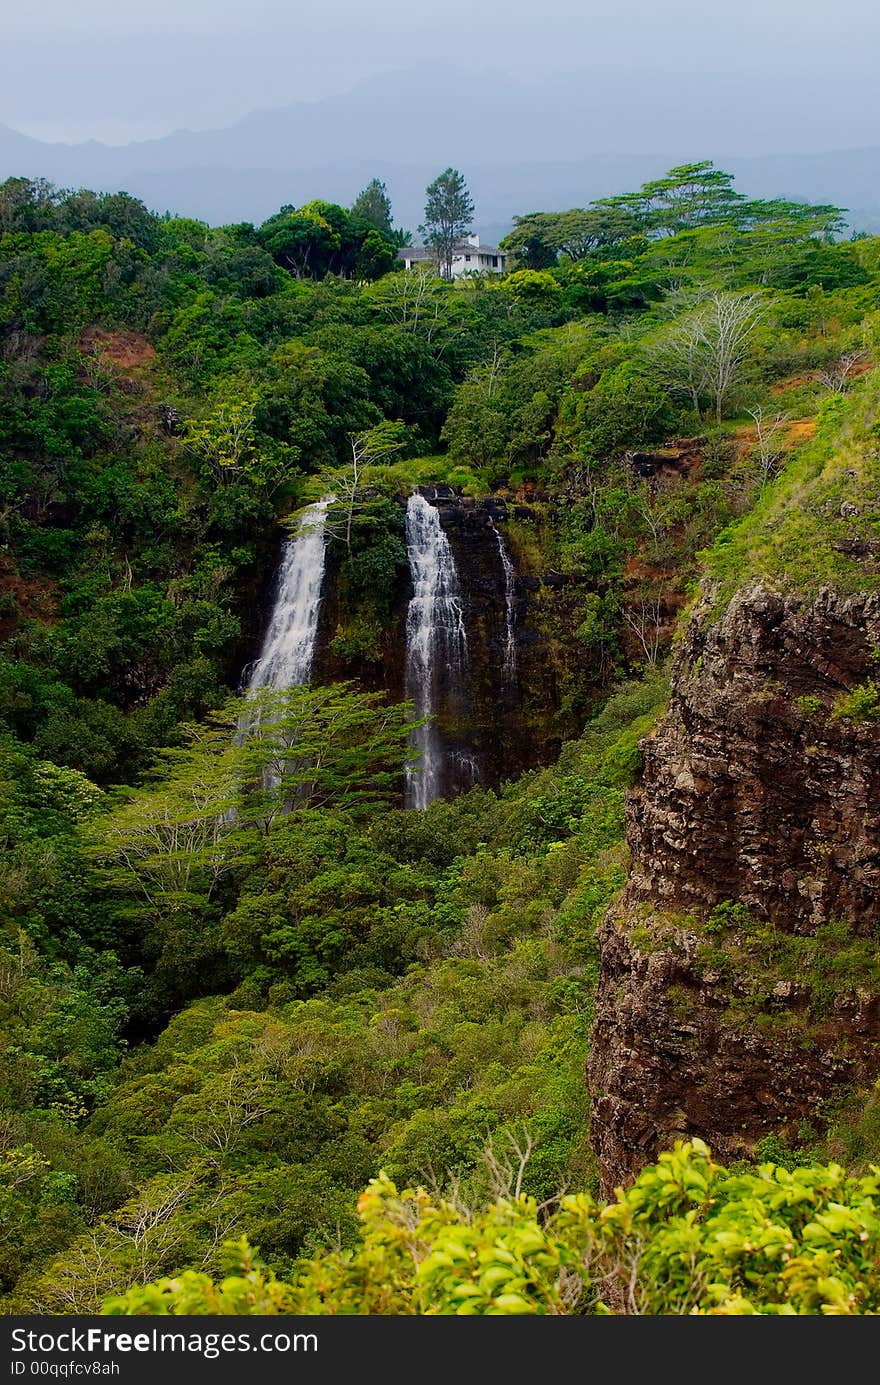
column 239, row 980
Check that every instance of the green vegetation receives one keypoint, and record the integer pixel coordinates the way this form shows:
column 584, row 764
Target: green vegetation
column 688, row 1237
column 861, row 704
column 816, row 525
column 277, row 1102
column 449, row 214
column 764, row 965
column 236, row 980
column 767, row 973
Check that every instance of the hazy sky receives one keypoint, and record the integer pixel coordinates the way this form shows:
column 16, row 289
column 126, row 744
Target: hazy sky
column 117, row 70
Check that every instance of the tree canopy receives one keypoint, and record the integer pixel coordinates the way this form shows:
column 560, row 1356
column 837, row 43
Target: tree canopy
column 449, row 213
column 322, row 238
column 374, row 206
column 688, row 198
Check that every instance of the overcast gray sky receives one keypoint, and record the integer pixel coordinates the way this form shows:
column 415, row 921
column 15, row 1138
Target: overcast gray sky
column 118, row 70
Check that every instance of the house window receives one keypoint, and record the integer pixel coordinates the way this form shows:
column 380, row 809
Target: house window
column 468, row 258
column 494, row 261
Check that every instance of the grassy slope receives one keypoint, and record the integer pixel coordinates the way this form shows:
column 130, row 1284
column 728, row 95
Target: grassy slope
column 812, row 527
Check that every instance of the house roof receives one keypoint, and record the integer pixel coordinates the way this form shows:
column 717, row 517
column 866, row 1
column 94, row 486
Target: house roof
column 421, row 252
column 463, row 248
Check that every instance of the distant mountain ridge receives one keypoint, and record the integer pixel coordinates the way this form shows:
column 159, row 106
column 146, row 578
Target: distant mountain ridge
column 522, row 147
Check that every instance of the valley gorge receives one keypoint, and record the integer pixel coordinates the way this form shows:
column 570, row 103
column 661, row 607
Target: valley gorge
column 439, row 760
column 753, row 794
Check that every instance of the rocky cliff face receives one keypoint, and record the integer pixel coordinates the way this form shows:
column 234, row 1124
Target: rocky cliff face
column 736, row 993
column 754, row 789
column 514, row 720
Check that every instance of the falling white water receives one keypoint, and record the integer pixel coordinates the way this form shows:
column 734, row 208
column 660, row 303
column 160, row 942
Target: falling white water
column 289, row 645
column 509, row 656
column 436, row 644
column 467, row 771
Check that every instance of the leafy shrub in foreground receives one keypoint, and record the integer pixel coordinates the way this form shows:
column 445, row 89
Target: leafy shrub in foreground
column 689, row 1236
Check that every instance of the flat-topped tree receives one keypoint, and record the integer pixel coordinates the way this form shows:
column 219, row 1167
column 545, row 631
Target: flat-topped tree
column 690, row 195
column 539, row 238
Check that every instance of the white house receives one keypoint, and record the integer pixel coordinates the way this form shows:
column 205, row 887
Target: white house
column 469, row 257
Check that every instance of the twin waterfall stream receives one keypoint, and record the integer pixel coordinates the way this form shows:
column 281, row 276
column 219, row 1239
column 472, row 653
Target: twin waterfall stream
column 289, row 643
column 436, row 643
column 436, row 658
column 509, row 609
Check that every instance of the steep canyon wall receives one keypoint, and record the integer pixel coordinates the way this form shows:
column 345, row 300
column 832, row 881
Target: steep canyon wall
column 736, row 994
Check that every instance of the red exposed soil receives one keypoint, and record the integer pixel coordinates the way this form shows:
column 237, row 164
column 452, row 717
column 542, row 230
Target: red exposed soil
column 124, row 350
column 35, row 599
column 799, row 430
column 791, row 434
column 809, row 377
column 637, row 569
column 795, row 382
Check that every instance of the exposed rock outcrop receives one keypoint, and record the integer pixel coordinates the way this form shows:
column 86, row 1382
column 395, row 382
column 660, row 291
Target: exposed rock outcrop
column 682, row 1049
column 761, row 786
column 753, row 788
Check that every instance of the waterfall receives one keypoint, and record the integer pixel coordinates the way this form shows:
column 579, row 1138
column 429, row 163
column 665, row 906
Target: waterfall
column 436, row 644
column 289, row 644
column 509, row 656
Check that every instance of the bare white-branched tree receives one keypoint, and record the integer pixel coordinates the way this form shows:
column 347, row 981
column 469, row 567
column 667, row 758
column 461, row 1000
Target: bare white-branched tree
column 507, row 1161
column 227, row 1105
column 678, row 359
column 473, row 941
column 766, row 454
column 644, row 618
column 837, row 377
column 346, row 484
column 730, row 321
column 703, row 353
column 414, row 299
column 84, row 1278
column 137, row 1243
column 647, row 509
column 492, row 371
